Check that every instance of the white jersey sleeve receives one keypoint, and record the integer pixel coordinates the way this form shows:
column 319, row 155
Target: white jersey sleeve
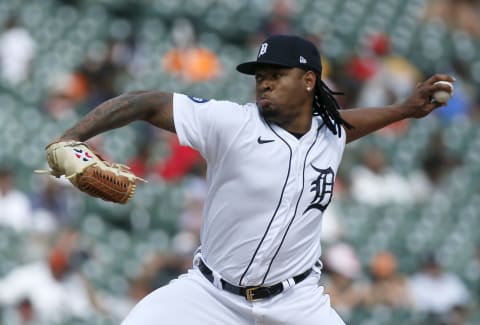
column 207, row 125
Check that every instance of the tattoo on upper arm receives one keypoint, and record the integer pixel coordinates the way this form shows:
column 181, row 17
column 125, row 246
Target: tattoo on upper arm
column 160, row 113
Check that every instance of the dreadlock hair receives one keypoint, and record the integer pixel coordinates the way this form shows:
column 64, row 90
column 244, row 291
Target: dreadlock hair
column 326, row 106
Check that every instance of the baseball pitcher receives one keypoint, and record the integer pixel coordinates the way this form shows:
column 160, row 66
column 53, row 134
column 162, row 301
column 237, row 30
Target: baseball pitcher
column 271, row 172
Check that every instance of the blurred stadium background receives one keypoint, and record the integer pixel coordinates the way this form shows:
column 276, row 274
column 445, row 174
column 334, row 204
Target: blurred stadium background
column 410, row 192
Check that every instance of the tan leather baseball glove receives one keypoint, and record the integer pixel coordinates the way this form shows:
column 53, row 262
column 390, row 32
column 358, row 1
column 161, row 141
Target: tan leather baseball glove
column 91, row 174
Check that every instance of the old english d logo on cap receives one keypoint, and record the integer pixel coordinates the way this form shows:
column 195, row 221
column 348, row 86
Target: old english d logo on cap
column 285, row 51
column 263, row 49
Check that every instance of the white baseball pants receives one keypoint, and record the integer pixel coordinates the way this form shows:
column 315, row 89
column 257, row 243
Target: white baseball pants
column 192, row 299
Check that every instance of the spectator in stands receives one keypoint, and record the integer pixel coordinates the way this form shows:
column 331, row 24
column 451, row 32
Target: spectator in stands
column 163, row 266
column 17, row 50
column 180, row 161
column 386, row 78
column 118, row 306
column 374, row 183
column 281, row 20
column 53, row 205
column 54, row 285
column 59, row 106
column 435, row 290
column 67, row 92
column 457, row 14
column 177, row 163
column 437, row 162
column 22, row 313
column 141, row 163
column 389, row 287
column 187, row 60
column 99, row 74
column 15, row 211
column 342, row 278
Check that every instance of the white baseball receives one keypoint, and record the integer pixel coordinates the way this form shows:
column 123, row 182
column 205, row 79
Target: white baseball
column 442, row 96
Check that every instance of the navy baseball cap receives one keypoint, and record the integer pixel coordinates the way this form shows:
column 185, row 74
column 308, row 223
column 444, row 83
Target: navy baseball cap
column 285, row 51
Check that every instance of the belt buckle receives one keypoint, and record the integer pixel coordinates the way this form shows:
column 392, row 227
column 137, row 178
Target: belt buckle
column 249, row 293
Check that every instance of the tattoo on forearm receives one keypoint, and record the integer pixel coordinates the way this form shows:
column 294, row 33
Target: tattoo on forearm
column 112, row 114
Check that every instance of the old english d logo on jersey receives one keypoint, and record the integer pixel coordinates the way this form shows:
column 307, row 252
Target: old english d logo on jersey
column 322, row 187
column 81, row 154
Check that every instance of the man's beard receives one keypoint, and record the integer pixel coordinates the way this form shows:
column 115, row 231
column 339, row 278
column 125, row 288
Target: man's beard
column 268, row 112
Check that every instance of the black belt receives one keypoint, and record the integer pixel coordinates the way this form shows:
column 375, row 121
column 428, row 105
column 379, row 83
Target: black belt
column 254, row 292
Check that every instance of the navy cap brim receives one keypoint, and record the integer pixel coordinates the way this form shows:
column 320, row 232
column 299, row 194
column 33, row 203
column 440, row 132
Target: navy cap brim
column 251, row 67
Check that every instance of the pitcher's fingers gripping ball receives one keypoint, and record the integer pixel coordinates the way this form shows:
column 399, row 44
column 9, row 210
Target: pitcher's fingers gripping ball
column 88, row 172
column 443, row 96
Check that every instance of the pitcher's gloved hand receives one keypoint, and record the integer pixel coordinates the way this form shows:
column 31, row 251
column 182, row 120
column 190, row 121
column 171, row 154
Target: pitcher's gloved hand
column 91, row 174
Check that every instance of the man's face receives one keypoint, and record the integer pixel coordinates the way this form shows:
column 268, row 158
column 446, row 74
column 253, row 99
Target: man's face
column 280, row 93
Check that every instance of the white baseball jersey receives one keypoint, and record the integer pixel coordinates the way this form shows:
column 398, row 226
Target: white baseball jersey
column 267, row 190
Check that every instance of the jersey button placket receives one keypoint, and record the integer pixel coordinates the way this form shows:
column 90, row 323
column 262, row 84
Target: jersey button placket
column 274, row 236
column 292, row 194
column 297, row 186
